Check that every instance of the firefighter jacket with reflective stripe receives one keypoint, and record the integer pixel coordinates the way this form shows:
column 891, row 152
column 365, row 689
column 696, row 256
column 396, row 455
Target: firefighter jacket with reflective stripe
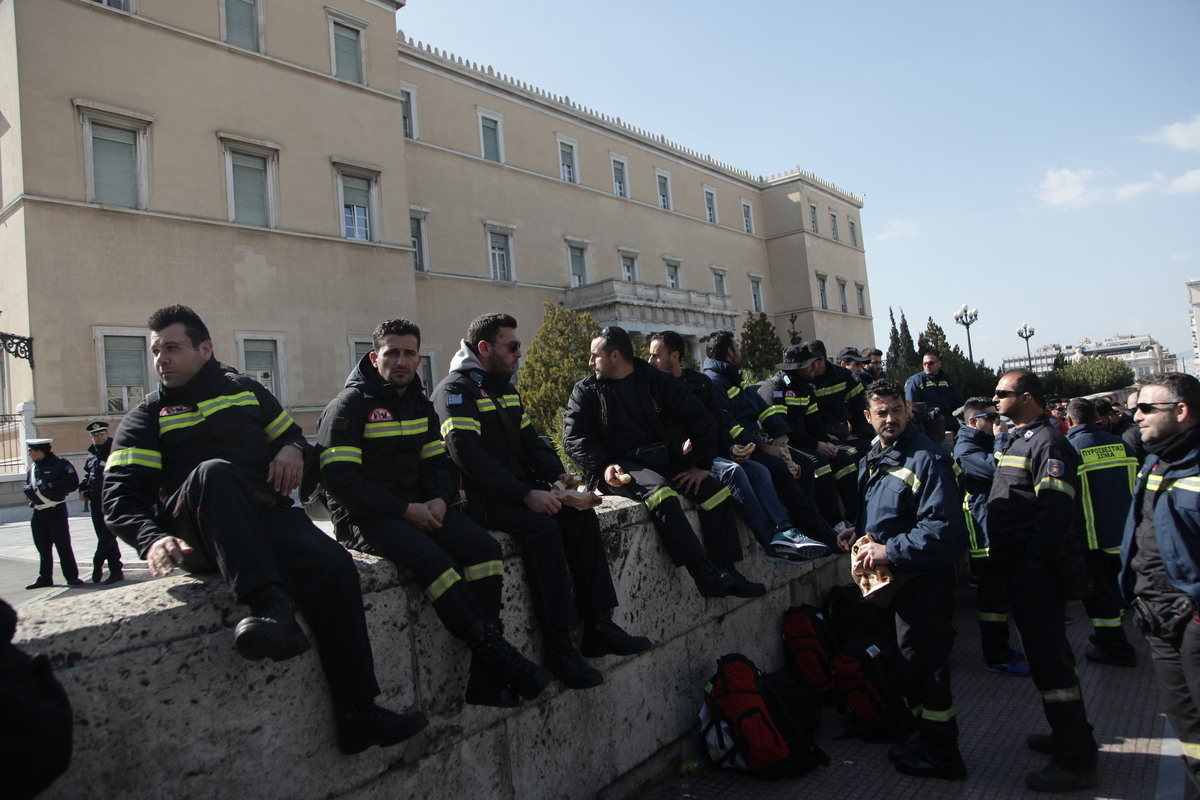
column 1176, row 522
column 841, row 403
column 50, row 481
column 975, row 454
column 910, row 501
column 216, row 415
column 702, row 387
column 794, row 396
column 1107, row 471
column 748, row 413
column 667, row 405
column 380, row 451
column 1031, row 509
column 469, row 403
column 934, row 390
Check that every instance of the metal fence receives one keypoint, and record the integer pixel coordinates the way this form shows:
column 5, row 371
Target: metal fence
column 11, row 458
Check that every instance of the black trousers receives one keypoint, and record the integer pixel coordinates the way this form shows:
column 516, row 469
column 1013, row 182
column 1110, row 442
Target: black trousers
column 991, row 607
column 1105, row 606
column 1039, row 609
column 107, row 548
column 52, row 531
column 718, row 524
column 924, row 612
column 798, row 501
column 1174, row 640
column 461, row 592
column 557, row 550
column 215, row 512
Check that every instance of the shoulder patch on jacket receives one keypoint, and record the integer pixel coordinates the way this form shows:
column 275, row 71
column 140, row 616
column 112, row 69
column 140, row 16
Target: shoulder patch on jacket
column 1055, row 468
column 170, row 411
column 380, row 415
column 454, row 399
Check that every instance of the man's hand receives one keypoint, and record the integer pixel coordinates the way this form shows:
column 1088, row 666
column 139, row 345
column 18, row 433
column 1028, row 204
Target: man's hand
column 419, row 514
column 540, row 502
column 286, row 470
column 827, row 449
column 845, row 539
column 871, row 555
column 165, row 554
column 780, row 441
column 690, row 480
column 612, row 475
column 437, row 507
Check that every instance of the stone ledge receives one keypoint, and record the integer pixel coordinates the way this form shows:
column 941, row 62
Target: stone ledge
column 165, row 707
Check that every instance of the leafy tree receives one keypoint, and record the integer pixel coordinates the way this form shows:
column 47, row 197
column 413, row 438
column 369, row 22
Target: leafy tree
column 1060, row 361
column 554, row 362
column 1089, row 376
column 934, row 338
column 902, row 359
column 761, row 347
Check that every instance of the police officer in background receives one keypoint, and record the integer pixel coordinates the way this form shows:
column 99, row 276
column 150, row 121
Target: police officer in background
column 1160, row 554
column 1030, row 523
column 48, row 483
column 91, row 488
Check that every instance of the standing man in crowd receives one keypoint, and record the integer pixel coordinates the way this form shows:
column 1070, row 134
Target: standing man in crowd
column 1160, row 554
column 625, row 427
column 1107, row 471
column 873, row 370
column 1030, row 524
column 933, row 387
column 91, row 488
column 912, row 513
column 199, row 478
column 49, row 481
column 389, row 486
column 508, row 471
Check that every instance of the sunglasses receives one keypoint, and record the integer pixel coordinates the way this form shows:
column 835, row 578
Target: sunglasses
column 1148, row 408
column 990, row 416
column 512, row 346
column 1003, row 393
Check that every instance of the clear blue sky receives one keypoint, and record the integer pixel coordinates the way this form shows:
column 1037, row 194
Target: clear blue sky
column 1037, row 160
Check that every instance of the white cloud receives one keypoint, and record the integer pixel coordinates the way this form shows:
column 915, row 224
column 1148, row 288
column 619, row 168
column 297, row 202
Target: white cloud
column 1182, row 135
column 898, row 229
column 1179, row 256
column 1069, row 189
column 1186, row 183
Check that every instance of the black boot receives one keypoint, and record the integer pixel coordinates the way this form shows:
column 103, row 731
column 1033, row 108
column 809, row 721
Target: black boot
column 97, row 572
column 115, row 576
column 271, row 630
column 364, row 725
column 603, row 637
column 567, row 665
column 709, row 580
column 743, row 586
column 506, row 662
column 485, row 688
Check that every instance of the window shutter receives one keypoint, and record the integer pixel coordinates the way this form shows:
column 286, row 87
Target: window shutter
column 348, row 63
column 260, row 355
column 241, row 24
column 249, row 189
column 124, row 361
column 113, row 165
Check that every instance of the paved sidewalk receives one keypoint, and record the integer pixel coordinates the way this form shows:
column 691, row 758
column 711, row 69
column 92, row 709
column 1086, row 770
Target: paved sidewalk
column 995, row 713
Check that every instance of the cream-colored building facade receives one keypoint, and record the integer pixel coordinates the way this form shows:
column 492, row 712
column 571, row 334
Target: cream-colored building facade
column 297, row 172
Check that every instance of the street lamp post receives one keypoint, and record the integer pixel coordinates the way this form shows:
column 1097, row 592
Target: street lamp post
column 967, row 319
column 1026, row 333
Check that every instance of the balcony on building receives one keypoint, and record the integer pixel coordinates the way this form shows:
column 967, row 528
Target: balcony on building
column 642, row 308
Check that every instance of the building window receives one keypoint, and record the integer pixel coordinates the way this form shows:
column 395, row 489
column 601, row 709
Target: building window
column 842, row 297
column 664, row 189
column 359, row 347
column 358, row 197
column 120, row 5
column 823, row 292
column 416, row 227
column 408, row 110
column 346, row 46
column 853, row 232
column 500, row 254
column 719, row 282
column 747, row 217
column 428, row 369
column 576, row 256
column 251, row 177
column 491, row 135
column 862, row 300
column 123, row 360
column 262, row 357
column 114, row 155
column 756, row 300
column 619, row 170
column 710, row 205
column 628, row 267
column 833, row 226
column 672, row 275
column 812, row 215
column 241, row 23
column 568, row 168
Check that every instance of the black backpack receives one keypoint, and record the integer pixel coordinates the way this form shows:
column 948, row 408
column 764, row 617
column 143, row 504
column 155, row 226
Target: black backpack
column 761, row 723
column 810, row 647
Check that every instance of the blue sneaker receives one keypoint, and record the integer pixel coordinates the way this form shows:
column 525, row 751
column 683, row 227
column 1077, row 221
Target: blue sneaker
column 795, row 546
column 1013, row 668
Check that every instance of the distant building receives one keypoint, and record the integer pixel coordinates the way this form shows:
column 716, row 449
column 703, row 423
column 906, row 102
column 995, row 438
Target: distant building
column 1193, row 290
column 1142, row 354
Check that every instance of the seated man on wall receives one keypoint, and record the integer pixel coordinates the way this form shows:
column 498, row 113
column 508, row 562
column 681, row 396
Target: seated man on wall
column 388, row 484
column 199, row 477
column 625, row 427
column 508, row 471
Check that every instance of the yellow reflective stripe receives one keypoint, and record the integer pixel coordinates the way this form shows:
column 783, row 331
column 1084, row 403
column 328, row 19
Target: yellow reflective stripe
column 989, row 616
column 716, row 500
column 444, row 581
column 1190, row 749
column 1089, row 515
column 736, row 431
column 485, row 404
column 330, row 455
column 525, row 420
column 937, row 716
column 733, row 391
column 1186, row 484
column 135, row 456
column 484, row 569
column 979, row 552
column 795, row 401
column 404, row 427
column 1061, row 695
column 849, row 469
column 210, row 407
column 957, row 469
column 662, row 494
column 1106, row 622
column 771, row 411
column 1020, row 462
column 813, row 409
column 278, row 426
column 855, row 391
column 177, row 421
column 906, row 475
column 1115, row 550
column 1154, row 482
column 431, row 449
column 833, row 388
column 1055, row 484
column 460, row 424
column 822, row 471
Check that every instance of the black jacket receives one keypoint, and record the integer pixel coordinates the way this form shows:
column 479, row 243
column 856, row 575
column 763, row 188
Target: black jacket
column 50, row 481
column 92, row 484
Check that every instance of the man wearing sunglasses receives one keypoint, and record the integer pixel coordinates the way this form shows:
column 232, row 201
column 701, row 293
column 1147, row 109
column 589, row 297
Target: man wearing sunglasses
column 508, row 470
column 1031, row 529
column 1160, row 553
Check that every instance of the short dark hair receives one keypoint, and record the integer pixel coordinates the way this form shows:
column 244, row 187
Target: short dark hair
column 817, row 347
column 977, row 405
column 871, row 352
column 397, row 326
column 884, row 387
column 167, row 316
column 486, row 327
column 616, row 338
column 1104, row 406
column 1082, row 411
column 719, row 345
column 933, row 353
column 1026, row 381
column 1183, row 388
column 672, row 341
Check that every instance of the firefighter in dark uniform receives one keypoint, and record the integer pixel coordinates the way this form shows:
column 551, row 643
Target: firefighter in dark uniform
column 1107, row 471
column 1160, row 553
column 911, row 512
column 937, row 390
column 91, row 488
column 199, row 477
column 508, row 471
column 841, row 404
column 389, row 484
column 1030, row 524
column 48, row 483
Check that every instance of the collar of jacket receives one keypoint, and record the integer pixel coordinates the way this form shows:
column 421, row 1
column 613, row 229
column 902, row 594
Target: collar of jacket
column 893, row 456
column 729, row 371
column 367, row 379
column 975, row 436
column 1087, row 427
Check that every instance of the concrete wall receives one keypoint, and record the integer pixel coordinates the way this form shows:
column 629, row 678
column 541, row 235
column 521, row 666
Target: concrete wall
column 165, row 707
